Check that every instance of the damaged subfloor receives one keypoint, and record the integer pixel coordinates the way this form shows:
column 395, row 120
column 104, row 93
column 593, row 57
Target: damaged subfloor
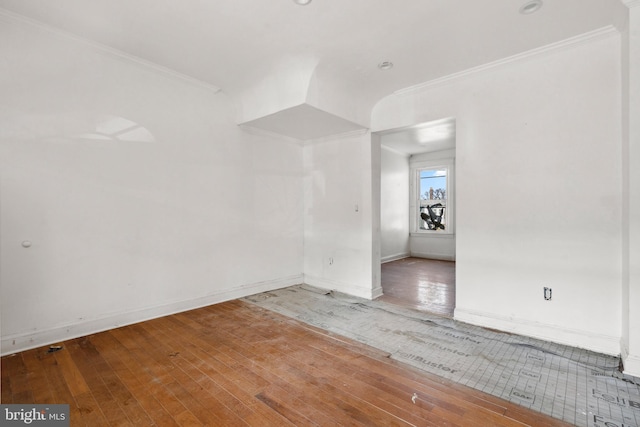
column 575, row 385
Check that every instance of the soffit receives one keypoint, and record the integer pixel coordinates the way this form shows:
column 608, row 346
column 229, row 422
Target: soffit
column 304, row 122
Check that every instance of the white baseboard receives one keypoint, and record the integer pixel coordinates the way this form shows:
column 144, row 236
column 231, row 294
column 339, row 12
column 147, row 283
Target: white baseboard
column 395, row 257
column 631, row 363
column 376, row 292
column 428, row 255
column 24, row 341
column 346, row 288
column 572, row 337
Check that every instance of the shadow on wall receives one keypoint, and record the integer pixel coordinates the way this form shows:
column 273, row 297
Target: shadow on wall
column 72, row 127
column 114, row 128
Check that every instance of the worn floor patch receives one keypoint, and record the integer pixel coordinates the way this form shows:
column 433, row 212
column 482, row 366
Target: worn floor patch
column 578, row 386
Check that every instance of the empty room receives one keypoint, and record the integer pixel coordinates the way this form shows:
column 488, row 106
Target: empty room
column 199, row 203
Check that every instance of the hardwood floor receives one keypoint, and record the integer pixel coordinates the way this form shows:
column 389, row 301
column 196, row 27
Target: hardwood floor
column 237, row 364
column 422, row 284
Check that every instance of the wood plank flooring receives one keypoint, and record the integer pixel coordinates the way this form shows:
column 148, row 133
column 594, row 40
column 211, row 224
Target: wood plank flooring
column 421, row 284
column 236, row 364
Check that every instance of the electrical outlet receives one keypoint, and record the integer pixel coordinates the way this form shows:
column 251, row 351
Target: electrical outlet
column 547, row 294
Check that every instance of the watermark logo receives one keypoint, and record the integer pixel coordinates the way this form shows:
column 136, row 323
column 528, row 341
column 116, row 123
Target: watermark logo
column 36, row 415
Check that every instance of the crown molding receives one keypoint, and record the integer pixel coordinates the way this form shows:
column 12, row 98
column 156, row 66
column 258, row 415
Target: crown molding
column 598, row 34
column 14, row 17
column 270, row 134
column 302, row 142
column 631, row 3
column 343, row 135
column 393, row 150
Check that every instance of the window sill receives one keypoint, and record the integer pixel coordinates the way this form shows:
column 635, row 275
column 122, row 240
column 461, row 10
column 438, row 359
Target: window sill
column 449, row 235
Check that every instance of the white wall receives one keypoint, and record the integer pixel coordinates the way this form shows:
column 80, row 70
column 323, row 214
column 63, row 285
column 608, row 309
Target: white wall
column 543, row 133
column 394, row 205
column 339, row 215
column 437, row 245
column 631, row 188
column 184, row 211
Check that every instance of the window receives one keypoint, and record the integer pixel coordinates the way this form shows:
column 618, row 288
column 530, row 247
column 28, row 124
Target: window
column 432, row 207
column 433, row 199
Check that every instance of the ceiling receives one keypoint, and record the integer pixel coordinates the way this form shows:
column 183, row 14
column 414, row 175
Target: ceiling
column 329, row 48
column 422, row 138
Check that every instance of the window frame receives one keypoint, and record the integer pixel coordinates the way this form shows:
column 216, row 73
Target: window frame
column 414, row 203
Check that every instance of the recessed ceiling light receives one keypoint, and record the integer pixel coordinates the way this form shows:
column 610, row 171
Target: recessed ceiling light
column 385, row 65
column 302, row 2
column 530, row 7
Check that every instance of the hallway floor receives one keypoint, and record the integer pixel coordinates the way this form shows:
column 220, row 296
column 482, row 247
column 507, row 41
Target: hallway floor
column 575, row 385
column 422, row 284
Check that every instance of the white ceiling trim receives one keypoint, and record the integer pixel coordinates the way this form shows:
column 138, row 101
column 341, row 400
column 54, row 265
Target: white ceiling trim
column 301, row 142
column 14, row 17
column 588, row 37
column 393, row 150
column 631, row 3
column 270, row 134
column 343, row 135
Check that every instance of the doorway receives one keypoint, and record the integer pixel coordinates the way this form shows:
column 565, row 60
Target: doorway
column 418, row 259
